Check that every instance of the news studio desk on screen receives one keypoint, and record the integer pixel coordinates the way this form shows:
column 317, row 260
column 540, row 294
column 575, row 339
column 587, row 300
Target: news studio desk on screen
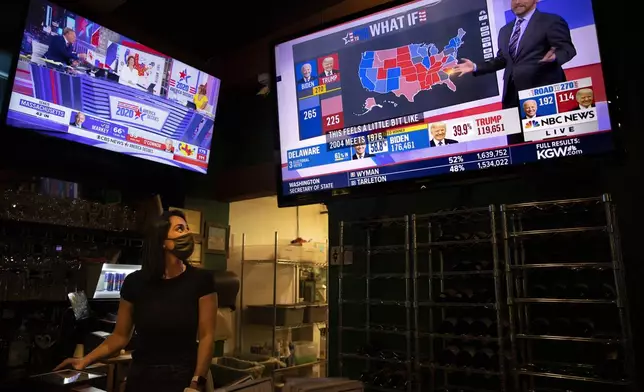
column 401, row 148
column 131, row 120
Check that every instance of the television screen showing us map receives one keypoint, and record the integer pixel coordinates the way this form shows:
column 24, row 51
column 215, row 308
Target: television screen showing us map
column 379, row 80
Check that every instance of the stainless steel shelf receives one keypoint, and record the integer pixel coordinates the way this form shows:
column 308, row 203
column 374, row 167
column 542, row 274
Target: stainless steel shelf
column 477, row 241
column 565, row 230
column 467, row 370
column 563, row 266
column 376, row 359
column 571, row 377
column 461, row 337
column 293, row 263
column 376, row 302
column 376, row 330
column 556, row 203
column 518, row 253
column 563, row 301
column 458, row 304
column 567, row 338
column 462, row 273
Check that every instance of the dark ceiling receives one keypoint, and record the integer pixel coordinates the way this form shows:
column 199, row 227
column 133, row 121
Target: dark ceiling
column 203, row 29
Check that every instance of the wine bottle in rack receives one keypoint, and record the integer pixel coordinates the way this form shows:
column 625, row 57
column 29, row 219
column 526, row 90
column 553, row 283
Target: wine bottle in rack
column 464, row 326
column 561, row 326
column 559, row 290
column 540, row 326
column 465, row 356
column 450, row 295
column 482, row 327
column 468, row 295
column 607, row 291
column 579, row 290
column 463, row 266
column 483, row 265
column 485, row 358
column 483, row 296
column 448, row 356
column 539, row 291
column 583, row 327
column 448, row 326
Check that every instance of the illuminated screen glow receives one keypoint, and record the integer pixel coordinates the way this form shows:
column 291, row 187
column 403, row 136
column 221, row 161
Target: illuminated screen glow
column 102, row 89
column 381, row 98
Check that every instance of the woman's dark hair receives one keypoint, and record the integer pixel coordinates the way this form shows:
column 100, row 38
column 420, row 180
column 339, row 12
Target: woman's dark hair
column 153, row 263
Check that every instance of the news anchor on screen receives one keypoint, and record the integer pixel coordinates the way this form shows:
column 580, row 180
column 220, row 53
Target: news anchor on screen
column 306, row 73
column 327, row 67
column 79, row 120
column 532, row 50
column 129, row 75
column 438, row 131
column 61, row 48
column 361, row 151
column 585, row 99
column 530, row 108
column 201, row 98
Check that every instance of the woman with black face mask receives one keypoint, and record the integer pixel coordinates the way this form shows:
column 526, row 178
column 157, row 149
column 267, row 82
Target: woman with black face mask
column 172, row 305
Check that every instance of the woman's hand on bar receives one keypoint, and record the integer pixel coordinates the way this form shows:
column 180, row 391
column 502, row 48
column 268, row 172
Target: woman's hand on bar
column 76, row 363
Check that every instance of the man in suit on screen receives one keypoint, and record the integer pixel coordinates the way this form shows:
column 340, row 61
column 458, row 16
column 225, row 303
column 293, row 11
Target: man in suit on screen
column 438, row 131
column 61, row 48
column 306, row 73
column 532, row 50
column 585, row 99
column 361, row 151
column 327, row 67
column 530, row 108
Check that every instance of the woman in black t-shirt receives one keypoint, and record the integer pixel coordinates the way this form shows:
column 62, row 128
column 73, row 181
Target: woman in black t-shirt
column 171, row 304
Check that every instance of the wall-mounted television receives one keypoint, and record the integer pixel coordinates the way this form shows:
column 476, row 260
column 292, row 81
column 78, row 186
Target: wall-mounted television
column 80, row 81
column 439, row 87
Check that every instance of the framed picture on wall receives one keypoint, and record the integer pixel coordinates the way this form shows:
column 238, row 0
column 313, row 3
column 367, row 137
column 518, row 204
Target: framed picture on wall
column 216, row 238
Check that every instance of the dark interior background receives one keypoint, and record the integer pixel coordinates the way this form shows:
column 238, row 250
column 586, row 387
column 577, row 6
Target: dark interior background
column 233, row 44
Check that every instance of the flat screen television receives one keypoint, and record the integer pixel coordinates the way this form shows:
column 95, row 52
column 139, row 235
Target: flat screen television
column 436, row 87
column 80, row 81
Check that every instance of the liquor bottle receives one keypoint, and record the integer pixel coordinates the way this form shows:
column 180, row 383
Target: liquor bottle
column 540, row 326
column 482, row 326
column 450, row 295
column 448, row 326
column 448, row 356
column 485, row 358
column 583, row 327
column 465, row 356
column 464, row 326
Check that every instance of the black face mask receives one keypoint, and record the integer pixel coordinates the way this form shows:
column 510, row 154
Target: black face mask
column 183, row 246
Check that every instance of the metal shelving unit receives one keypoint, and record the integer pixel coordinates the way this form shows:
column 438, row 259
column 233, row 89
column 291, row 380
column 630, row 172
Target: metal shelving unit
column 276, row 262
column 430, row 245
column 591, row 245
column 362, row 272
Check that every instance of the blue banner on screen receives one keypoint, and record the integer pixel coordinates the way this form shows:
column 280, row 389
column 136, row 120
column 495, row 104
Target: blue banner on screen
column 424, row 89
column 80, row 81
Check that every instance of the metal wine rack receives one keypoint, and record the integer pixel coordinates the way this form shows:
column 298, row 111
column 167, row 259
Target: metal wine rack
column 375, row 275
column 415, row 253
column 574, row 240
column 434, row 246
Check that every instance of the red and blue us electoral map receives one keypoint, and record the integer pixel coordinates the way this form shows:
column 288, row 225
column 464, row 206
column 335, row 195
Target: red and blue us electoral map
column 408, row 70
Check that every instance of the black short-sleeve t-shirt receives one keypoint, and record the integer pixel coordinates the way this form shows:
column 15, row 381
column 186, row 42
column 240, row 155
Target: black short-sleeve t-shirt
column 166, row 315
